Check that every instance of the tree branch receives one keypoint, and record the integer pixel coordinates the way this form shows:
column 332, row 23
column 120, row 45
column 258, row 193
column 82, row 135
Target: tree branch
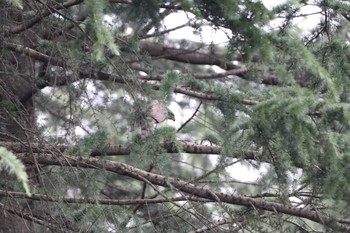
column 40, row 15
column 181, row 186
column 190, row 119
column 103, row 201
column 177, row 89
column 158, row 50
column 34, row 54
column 119, row 149
column 200, row 75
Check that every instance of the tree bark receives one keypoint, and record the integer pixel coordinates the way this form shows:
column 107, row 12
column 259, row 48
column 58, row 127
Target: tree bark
column 17, row 119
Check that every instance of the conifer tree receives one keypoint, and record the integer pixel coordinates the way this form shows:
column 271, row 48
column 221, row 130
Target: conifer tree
column 78, row 79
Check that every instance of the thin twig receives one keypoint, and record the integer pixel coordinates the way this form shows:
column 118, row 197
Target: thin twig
column 189, row 119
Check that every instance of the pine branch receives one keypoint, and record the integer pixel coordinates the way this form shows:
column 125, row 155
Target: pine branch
column 102, row 201
column 183, row 186
column 120, row 149
column 157, row 50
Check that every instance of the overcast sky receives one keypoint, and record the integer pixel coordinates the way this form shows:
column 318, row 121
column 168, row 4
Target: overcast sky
column 209, row 35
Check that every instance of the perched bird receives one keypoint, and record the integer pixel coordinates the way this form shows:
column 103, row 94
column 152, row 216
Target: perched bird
column 159, row 113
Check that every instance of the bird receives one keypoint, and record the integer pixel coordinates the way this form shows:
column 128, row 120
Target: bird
column 159, row 113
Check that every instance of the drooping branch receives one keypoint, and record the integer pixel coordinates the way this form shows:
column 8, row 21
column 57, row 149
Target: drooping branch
column 182, row 186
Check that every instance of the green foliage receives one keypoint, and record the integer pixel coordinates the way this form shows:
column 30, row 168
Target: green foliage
column 244, row 20
column 103, row 35
column 151, row 150
column 168, row 83
column 89, row 143
column 10, row 163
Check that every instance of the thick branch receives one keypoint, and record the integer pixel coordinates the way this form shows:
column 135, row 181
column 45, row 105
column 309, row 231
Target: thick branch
column 180, row 185
column 186, row 55
column 157, row 50
column 120, row 149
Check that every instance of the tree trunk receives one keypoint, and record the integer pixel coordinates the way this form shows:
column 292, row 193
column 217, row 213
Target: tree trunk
column 17, row 119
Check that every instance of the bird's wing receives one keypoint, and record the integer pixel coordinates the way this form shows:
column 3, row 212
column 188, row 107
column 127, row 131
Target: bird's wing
column 159, row 112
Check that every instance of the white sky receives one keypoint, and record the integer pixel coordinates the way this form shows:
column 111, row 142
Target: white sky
column 208, row 34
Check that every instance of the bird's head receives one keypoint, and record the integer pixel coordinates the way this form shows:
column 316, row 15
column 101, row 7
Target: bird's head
column 171, row 115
